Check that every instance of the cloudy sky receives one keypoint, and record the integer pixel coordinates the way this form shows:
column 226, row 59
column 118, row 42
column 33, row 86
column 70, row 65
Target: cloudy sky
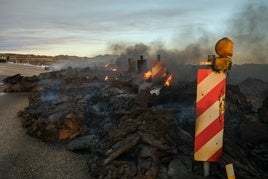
column 89, row 28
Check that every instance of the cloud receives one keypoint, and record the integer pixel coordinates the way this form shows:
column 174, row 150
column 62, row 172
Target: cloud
column 36, row 24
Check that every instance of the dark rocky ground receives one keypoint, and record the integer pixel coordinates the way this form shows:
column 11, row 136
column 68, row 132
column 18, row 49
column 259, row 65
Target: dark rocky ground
column 24, row 157
column 130, row 133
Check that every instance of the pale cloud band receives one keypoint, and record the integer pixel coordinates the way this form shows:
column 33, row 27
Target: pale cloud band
column 85, row 28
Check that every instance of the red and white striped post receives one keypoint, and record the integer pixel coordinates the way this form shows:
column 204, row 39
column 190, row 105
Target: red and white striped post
column 210, row 103
column 211, row 87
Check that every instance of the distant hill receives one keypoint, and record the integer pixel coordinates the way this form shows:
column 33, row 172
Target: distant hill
column 182, row 72
column 64, row 60
column 31, row 59
column 239, row 73
column 82, row 62
column 256, row 91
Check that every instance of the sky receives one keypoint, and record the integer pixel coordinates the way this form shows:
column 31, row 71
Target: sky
column 90, row 28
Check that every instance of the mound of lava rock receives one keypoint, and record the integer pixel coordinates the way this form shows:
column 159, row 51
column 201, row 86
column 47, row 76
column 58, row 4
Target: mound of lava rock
column 130, row 132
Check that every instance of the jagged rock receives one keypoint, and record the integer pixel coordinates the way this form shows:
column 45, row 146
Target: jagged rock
column 255, row 90
column 18, row 83
column 142, row 99
column 177, row 169
column 263, row 111
column 85, row 143
column 146, row 151
column 13, row 79
column 121, row 147
column 130, row 133
column 153, row 141
column 144, row 165
column 14, row 88
column 146, row 136
column 249, row 160
column 254, row 132
column 54, row 128
column 237, row 106
column 70, row 127
column 119, row 169
column 126, row 86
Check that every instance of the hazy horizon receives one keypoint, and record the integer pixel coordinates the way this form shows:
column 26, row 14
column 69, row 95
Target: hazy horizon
column 87, row 28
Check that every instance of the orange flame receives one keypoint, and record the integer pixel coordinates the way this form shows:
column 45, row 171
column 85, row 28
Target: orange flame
column 106, row 78
column 147, row 75
column 168, row 80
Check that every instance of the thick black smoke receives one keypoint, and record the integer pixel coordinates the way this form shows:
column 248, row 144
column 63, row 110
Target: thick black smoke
column 131, row 51
column 190, row 55
column 250, row 35
column 247, row 29
column 174, row 59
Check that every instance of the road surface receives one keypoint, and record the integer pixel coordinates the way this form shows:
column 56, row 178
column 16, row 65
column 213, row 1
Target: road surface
column 22, row 156
column 8, row 69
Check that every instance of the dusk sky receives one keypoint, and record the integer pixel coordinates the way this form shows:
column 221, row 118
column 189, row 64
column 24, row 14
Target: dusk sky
column 89, row 28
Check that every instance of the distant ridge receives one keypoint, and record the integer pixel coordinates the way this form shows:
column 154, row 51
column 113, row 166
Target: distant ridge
column 49, row 60
column 237, row 74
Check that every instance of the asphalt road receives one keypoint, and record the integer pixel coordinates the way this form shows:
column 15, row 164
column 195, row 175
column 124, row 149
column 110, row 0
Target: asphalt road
column 8, row 69
column 22, row 156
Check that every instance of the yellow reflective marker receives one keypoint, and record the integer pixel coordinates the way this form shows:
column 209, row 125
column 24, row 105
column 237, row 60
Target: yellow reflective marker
column 230, row 171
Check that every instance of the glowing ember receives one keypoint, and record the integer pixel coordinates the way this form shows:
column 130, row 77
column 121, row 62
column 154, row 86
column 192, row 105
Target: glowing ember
column 168, row 80
column 147, row 75
column 106, row 65
column 113, row 69
column 106, row 78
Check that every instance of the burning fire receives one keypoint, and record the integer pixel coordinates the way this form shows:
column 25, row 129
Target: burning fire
column 109, row 67
column 147, row 75
column 168, row 80
column 106, row 78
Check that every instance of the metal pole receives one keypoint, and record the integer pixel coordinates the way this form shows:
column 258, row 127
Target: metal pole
column 206, row 168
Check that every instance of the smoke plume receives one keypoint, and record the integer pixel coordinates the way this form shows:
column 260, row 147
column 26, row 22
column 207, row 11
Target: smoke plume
column 174, row 59
column 249, row 31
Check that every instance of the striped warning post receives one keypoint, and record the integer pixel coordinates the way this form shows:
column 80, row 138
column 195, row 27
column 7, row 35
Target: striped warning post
column 209, row 124
column 158, row 70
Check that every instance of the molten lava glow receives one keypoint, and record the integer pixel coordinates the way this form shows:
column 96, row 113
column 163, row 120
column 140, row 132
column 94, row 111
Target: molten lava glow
column 147, row 75
column 106, row 78
column 168, row 80
column 106, row 65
